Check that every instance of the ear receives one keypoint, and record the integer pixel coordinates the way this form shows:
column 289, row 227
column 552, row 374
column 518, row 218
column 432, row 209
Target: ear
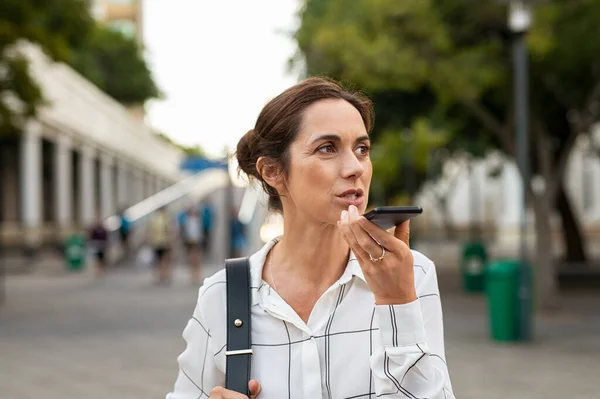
column 270, row 172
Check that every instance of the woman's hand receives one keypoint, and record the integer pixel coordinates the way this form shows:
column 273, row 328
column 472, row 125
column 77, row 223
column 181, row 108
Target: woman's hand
column 222, row 393
column 392, row 278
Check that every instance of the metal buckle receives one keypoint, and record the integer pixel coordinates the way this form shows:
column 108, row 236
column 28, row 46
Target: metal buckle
column 239, row 352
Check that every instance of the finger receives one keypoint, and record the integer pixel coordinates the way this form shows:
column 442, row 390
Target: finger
column 369, row 243
column 222, row 393
column 386, row 239
column 347, row 234
column 402, row 232
column 254, row 388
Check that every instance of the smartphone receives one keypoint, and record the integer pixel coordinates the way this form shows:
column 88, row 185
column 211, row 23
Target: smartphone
column 387, row 217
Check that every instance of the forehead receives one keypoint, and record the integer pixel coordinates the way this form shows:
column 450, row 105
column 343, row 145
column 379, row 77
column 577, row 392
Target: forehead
column 331, row 116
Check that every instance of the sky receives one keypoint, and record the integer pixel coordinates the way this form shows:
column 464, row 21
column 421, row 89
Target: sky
column 217, row 63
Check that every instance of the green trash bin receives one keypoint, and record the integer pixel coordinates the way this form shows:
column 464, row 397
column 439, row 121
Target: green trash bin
column 75, row 252
column 474, row 258
column 502, row 290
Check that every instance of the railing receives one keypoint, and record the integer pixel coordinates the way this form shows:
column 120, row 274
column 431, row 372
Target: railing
column 174, row 199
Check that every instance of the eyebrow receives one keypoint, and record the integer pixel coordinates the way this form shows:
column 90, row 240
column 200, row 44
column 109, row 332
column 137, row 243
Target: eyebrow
column 335, row 137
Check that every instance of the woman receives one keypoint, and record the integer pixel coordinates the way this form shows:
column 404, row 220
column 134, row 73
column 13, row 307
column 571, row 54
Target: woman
column 333, row 315
column 98, row 236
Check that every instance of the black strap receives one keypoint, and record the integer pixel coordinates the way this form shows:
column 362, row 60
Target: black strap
column 237, row 372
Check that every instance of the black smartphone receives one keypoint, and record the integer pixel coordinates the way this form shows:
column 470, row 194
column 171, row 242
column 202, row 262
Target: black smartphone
column 387, row 217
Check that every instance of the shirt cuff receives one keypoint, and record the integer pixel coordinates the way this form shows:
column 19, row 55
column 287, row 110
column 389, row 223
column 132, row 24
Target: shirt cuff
column 400, row 325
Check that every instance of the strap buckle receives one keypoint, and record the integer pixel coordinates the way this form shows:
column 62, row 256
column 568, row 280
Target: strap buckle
column 239, row 352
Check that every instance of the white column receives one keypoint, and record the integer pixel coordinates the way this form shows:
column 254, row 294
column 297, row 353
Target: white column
column 107, row 205
column 123, row 188
column 138, row 185
column 146, row 183
column 64, row 181
column 151, row 186
column 31, row 181
column 87, row 185
column 145, row 187
column 157, row 184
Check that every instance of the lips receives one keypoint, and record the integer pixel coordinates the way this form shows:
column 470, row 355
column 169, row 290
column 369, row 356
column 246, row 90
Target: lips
column 352, row 197
column 352, row 193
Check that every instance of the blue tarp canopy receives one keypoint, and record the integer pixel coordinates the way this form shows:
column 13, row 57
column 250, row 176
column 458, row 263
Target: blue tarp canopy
column 198, row 164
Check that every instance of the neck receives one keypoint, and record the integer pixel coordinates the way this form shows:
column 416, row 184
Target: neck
column 315, row 254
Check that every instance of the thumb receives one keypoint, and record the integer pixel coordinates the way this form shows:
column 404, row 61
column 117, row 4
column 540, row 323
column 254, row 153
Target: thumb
column 254, row 388
column 402, row 232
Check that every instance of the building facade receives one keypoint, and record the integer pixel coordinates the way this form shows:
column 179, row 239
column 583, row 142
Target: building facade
column 83, row 156
column 491, row 201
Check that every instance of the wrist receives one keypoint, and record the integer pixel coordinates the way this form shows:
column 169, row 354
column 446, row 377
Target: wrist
column 401, row 299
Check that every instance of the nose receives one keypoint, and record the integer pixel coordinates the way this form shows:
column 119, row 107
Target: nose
column 352, row 167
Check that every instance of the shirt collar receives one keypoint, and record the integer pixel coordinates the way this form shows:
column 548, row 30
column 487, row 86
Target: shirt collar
column 257, row 262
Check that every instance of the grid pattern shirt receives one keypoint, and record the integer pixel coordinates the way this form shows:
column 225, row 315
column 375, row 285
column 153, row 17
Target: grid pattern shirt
column 350, row 347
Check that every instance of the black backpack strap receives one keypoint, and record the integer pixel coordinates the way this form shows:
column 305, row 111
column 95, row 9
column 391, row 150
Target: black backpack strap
column 239, row 342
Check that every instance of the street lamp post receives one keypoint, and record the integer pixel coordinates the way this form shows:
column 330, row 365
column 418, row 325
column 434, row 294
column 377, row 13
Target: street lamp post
column 519, row 21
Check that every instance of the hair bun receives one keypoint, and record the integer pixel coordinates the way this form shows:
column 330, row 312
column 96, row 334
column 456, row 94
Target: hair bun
column 245, row 154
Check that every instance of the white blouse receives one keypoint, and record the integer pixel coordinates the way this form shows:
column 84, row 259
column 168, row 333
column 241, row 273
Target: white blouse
column 350, row 347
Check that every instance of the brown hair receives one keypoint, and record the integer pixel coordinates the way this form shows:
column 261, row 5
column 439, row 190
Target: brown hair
column 279, row 122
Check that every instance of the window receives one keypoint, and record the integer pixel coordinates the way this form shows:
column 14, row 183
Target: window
column 125, row 26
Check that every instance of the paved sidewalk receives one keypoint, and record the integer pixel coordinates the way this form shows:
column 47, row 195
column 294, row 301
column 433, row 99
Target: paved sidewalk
column 69, row 337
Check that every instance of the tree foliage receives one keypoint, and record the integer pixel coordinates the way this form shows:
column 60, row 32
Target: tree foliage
column 57, row 25
column 115, row 64
column 66, row 31
column 452, row 59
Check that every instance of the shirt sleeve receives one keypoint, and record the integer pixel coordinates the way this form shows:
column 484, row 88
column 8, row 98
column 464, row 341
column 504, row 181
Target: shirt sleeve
column 198, row 373
column 411, row 361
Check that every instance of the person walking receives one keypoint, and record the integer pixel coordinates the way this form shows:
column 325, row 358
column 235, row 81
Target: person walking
column 340, row 308
column 160, row 237
column 207, row 227
column 191, row 230
column 124, row 233
column 98, row 241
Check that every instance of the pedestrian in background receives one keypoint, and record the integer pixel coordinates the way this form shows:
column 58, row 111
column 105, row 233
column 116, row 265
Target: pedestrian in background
column 98, row 242
column 191, row 232
column 160, row 238
column 207, row 226
column 124, row 232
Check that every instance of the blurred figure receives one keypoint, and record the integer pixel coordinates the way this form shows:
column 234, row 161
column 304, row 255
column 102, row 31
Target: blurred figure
column 124, row 230
column 98, row 239
column 160, row 235
column 238, row 235
column 192, row 232
column 207, row 225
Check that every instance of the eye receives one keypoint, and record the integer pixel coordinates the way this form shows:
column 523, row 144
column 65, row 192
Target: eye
column 327, row 149
column 363, row 149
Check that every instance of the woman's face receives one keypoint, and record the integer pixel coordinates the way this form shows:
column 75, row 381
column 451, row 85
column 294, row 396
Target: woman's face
column 330, row 168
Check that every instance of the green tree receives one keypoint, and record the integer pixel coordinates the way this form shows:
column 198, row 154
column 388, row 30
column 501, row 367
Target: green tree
column 452, row 58
column 57, row 25
column 193, row 150
column 115, row 64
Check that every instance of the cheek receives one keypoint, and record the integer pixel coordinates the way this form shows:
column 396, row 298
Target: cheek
column 313, row 179
column 368, row 174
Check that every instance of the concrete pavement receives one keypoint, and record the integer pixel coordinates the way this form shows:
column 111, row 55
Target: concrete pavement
column 67, row 336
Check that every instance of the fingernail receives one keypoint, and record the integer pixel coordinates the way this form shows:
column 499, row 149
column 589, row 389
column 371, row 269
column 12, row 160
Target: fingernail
column 353, row 212
column 344, row 216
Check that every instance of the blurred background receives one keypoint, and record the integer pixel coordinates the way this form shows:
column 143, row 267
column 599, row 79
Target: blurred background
column 118, row 119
